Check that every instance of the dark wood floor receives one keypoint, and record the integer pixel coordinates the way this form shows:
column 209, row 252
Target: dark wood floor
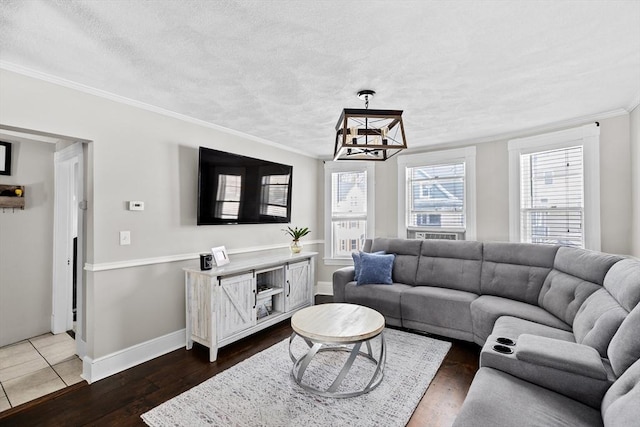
column 119, row 400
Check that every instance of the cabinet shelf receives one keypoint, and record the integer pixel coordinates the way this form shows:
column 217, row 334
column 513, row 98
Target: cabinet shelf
column 270, row 292
column 269, row 316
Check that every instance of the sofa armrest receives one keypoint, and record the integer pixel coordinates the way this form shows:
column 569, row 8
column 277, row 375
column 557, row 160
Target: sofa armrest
column 340, row 279
column 562, row 355
column 549, row 363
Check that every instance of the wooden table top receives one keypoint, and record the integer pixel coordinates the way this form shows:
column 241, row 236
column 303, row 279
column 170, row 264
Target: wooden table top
column 337, row 323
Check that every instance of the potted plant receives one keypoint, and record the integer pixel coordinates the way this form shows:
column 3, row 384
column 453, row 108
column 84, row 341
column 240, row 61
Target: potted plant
column 296, row 233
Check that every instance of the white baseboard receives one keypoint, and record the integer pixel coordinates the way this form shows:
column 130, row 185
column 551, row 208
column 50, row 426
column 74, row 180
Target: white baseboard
column 102, row 367
column 324, row 288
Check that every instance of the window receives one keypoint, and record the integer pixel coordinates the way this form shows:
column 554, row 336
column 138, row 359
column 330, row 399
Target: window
column 553, row 188
column 437, row 192
column 349, row 209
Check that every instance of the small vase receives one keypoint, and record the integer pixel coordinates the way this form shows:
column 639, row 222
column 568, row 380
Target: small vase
column 296, row 247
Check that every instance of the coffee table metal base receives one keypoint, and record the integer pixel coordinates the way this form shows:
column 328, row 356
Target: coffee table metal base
column 301, row 364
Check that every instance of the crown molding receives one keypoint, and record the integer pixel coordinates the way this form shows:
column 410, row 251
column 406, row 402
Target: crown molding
column 18, row 69
column 635, row 103
column 556, row 126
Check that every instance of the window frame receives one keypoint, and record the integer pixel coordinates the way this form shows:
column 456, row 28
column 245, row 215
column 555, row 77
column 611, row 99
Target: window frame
column 588, row 137
column 466, row 155
column 346, row 166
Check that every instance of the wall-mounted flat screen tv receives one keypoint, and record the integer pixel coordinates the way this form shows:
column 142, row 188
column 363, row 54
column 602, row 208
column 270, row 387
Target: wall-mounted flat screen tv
column 234, row 189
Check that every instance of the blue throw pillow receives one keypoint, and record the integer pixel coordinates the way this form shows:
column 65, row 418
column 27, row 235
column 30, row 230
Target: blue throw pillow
column 375, row 269
column 356, row 262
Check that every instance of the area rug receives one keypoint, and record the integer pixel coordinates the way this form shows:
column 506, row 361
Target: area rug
column 260, row 391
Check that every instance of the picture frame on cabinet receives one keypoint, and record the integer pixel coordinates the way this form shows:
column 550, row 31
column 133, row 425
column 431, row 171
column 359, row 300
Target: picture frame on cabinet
column 5, row 158
column 220, row 256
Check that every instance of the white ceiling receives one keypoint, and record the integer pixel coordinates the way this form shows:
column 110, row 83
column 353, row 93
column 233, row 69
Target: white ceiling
column 283, row 70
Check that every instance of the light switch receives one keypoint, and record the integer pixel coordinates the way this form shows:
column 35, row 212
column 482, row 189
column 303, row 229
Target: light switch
column 125, row 238
column 135, row 205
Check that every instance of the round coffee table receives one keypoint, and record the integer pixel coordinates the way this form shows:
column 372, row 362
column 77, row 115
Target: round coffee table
column 338, row 327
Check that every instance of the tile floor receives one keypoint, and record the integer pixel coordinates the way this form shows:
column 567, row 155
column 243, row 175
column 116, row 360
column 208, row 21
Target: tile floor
column 35, row 367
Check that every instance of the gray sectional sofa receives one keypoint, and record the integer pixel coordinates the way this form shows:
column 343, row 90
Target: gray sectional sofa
column 559, row 326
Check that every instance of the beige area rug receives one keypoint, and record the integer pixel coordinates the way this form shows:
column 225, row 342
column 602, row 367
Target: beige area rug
column 259, row 391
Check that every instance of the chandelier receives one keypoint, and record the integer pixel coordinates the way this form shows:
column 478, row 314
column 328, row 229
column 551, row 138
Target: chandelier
column 363, row 134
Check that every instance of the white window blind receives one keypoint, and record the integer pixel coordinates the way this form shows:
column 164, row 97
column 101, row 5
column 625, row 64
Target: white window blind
column 436, row 196
column 348, row 212
column 552, row 197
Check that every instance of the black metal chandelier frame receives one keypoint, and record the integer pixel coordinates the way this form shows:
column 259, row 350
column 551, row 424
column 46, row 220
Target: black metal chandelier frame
column 372, row 135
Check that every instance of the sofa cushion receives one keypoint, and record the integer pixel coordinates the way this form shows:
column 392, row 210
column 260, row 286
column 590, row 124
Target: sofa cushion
column 445, row 308
column 598, row 320
column 563, row 294
column 623, row 282
column 624, row 349
column 577, row 273
column 498, row 399
column 486, row 309
column 382, row 298
column 591, row 266
column 620, row 406
column 375, row 269
column 513, row 327
column 406, row 251
column 515, row 270
column 450, row 264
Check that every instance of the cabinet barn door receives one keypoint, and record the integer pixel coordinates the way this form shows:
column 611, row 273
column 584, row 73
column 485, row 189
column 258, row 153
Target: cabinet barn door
column 298, row 286
column 237, row 309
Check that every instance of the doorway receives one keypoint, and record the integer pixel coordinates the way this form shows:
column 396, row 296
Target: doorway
column 68, row 256
column 68, row 252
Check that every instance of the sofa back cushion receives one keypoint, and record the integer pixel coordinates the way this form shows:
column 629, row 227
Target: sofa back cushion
column 577, row 273
column 620, row 404
column 450, row 264
column 597, row 320
column 624, row 348
column 623, row 282
column 406, row 251
column 515, row 270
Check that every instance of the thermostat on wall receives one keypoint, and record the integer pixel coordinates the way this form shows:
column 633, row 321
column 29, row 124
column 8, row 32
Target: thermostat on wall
column 136, row 206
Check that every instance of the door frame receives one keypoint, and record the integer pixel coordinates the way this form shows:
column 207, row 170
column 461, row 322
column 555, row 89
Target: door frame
column 68, row 219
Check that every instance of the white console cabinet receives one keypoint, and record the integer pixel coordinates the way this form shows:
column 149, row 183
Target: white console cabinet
column 228, row 303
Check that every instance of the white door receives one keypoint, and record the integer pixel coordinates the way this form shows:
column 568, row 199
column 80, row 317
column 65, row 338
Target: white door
column 298, row 289
column 68, row 220
column 237, row 305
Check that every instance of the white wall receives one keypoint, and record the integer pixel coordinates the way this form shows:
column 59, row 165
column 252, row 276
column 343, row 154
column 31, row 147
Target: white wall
column 26, row 244
column 492, row 187
column 634, row 128
column 141, row 155
column 615, row 185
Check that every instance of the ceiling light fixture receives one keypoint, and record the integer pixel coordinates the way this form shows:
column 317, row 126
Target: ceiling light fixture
column 363, row 134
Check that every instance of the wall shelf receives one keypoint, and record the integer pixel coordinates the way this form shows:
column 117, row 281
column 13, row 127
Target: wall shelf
column 12, row 202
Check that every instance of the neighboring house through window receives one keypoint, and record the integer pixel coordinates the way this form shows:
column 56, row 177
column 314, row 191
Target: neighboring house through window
column 349, row 207
column 436, row 193
column 554, row 194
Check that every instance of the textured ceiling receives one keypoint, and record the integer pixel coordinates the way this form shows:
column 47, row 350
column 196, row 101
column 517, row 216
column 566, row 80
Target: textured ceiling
column 283, row 70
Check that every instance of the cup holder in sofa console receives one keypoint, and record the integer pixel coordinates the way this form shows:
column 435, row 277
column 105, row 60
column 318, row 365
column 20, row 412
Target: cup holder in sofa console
column 505, row 341
column 502, row 349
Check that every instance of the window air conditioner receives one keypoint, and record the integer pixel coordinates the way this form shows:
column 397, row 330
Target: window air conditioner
column 430, row 236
